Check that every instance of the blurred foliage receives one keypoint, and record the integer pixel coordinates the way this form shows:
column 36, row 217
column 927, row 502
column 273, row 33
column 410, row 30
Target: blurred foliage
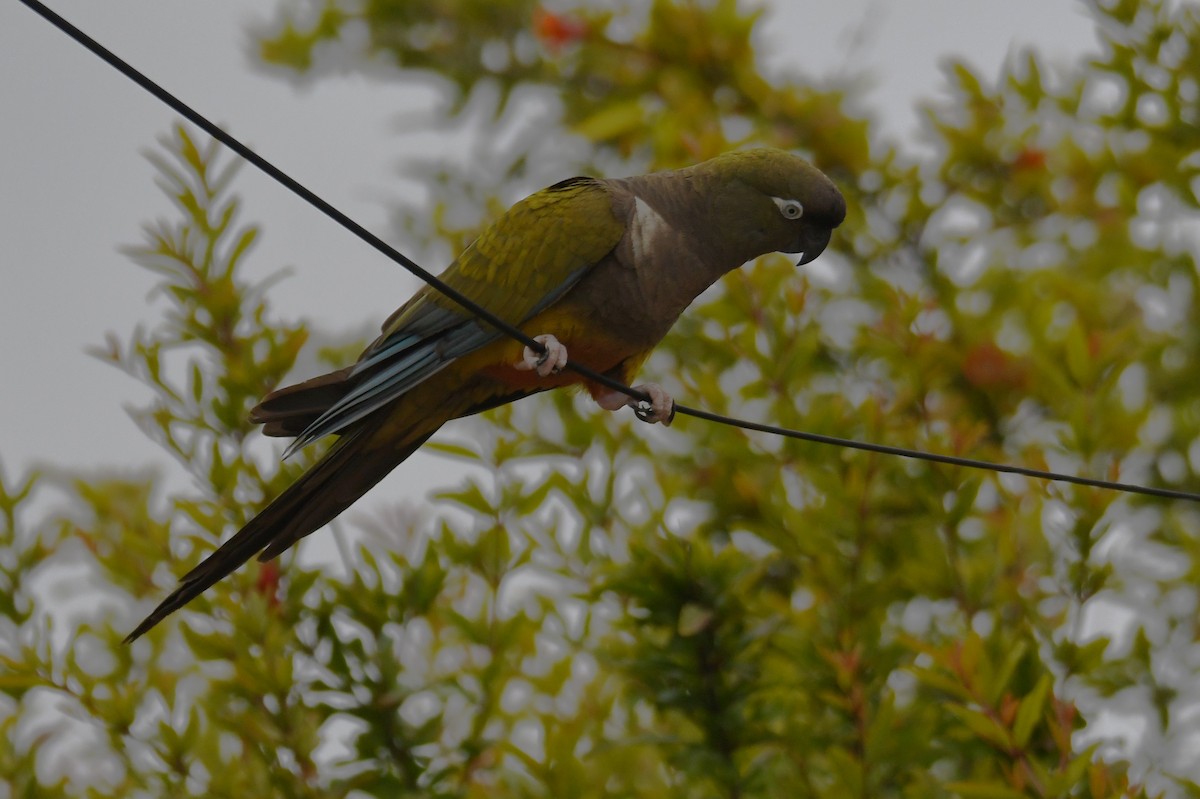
column 602, row 609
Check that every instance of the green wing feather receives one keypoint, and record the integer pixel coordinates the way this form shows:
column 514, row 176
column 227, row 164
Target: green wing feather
column 517, row 268
column 526, row 259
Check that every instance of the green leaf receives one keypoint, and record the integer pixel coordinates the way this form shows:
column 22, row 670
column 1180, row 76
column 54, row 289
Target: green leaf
column 460, row 451
column 1031, row 709
column 984, row 790
column 493, row 552
column 1000, row 684
column 612, row 121
column 471, row 498
column 694, row 619
column 982, row 725
column 1079, row 361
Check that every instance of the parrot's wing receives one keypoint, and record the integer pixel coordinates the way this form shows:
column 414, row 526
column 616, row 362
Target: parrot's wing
column 518, row 267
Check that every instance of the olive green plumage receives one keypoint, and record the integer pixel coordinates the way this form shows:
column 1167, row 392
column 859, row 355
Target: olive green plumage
column 604, row 266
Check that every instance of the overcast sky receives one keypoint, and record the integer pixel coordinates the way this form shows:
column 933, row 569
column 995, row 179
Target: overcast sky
column 73, row 186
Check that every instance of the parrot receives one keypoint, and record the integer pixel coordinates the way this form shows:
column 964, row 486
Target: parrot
column 599, row 269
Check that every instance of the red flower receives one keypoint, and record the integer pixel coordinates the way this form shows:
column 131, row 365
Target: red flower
column 267, row 583
column 986, row 366
column 555, row 31
column 1030, row 159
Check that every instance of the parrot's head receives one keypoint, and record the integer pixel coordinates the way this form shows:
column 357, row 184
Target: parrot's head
column 778, row 201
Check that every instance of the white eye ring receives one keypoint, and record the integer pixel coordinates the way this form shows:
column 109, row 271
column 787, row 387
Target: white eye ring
column 791, row 209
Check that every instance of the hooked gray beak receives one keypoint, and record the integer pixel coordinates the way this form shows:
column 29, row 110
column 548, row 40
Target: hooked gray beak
column 812, row 244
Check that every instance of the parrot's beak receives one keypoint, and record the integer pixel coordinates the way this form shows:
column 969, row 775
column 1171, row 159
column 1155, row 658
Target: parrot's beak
column 812, row 244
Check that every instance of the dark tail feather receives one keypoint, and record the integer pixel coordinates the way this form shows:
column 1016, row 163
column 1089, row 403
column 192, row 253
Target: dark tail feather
column 346, row 472
column 290, row 410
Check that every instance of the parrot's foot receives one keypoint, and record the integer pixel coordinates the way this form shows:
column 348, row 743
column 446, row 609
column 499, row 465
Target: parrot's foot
column 660, row 408
column 547, row 363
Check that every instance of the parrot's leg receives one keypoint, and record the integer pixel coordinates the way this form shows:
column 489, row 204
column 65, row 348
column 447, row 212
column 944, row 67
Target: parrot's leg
column 547, row 363
column 660, row 408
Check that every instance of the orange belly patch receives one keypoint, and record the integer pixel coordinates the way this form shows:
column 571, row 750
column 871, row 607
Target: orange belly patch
column 598, row 354
column 593, row 348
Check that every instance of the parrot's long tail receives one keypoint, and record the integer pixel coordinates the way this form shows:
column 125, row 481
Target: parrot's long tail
column 352, row 466
column 290, row 410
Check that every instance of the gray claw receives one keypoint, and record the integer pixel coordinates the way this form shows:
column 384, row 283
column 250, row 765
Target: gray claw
column 644, row 410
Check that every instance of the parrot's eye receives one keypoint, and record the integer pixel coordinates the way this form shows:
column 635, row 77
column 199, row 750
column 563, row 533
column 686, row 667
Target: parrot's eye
column 789, row 208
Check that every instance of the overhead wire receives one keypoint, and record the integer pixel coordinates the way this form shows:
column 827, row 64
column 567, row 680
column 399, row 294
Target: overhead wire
column 327, row 208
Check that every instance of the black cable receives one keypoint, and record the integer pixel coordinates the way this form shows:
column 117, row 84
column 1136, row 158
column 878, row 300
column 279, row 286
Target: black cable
column 952, row 460
column 429, row 278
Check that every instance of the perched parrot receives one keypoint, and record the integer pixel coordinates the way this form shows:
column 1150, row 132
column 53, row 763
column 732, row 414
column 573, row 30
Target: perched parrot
column 599, row 269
